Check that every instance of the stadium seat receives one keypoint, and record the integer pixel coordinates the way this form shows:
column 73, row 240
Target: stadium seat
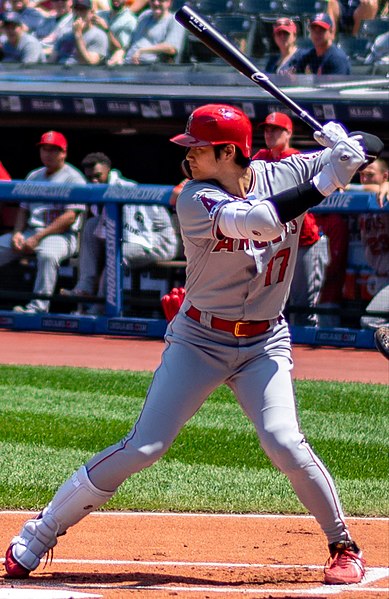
column 239, row 29
column 371, row 28
column 303, row 7
column 356, row 48
column 257, row 8
column 302, row 11
column 213, row 7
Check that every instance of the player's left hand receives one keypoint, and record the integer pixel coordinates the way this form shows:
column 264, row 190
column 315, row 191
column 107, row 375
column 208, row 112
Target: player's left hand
column 345, row 159
column 330, row 134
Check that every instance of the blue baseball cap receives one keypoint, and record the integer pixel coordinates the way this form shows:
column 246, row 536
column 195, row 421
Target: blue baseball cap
column 322, row 20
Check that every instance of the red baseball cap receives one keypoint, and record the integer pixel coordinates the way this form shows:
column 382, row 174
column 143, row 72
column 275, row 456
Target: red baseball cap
column 284, row 24
column 53, row 138
column 278, row 119
column 322, row 20
column 215, row 124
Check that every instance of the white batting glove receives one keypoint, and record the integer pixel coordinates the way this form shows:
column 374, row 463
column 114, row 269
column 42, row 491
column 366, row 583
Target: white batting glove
column 330, row 134
column 345, row 159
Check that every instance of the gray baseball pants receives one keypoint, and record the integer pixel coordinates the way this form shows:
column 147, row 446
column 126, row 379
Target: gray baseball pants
column 196, row 361
column 50, row 252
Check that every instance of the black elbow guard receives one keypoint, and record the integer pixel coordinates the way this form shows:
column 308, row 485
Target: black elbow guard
column 296, row 201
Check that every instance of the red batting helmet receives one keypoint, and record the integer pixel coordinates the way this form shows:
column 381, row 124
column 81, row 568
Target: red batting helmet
column 215, row 124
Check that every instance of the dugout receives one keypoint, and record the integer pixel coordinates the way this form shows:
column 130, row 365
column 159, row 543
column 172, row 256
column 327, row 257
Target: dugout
column 130, row 113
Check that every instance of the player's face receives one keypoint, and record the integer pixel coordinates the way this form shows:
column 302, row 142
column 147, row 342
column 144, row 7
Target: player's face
column 53, row 157
column 202, row 162
column 97, row 173
column 276, row 137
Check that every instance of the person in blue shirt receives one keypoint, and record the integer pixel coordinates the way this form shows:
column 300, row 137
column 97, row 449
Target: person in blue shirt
column 285, row 37
column 32, row 17
column 325, row 58
column 20, row 46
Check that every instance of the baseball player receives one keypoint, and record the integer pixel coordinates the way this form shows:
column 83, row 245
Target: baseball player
column 240, row 225
column 312, row 255
column 47, row 230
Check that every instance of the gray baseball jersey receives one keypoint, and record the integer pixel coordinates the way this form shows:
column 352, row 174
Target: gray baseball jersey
column 240, row 279
column 43, row 213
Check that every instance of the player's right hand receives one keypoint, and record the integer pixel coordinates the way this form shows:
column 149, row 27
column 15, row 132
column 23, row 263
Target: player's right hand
column 330, row 134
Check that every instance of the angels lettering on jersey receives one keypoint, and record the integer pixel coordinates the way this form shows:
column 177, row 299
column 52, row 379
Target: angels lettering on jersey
column 213, row 200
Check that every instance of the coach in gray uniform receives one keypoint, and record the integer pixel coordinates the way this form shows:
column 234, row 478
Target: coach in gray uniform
column 240, row 223
column 47, row 230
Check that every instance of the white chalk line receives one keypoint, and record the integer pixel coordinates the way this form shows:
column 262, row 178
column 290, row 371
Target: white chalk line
column 114, row 514
column 372, row 575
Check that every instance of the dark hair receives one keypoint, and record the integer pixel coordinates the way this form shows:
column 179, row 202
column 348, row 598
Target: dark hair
column 96, row 158
column 239, row 158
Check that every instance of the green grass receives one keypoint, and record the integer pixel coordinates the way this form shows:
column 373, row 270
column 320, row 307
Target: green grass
column 54, row 419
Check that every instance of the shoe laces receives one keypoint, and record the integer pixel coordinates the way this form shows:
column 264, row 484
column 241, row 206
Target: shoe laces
column 344, row 553
column 49, row 557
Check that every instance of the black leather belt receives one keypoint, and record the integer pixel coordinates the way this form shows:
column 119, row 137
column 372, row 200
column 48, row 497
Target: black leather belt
column 238, row 328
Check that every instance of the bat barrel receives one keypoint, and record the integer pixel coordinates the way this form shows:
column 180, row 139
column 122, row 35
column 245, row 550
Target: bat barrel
column 215, row 41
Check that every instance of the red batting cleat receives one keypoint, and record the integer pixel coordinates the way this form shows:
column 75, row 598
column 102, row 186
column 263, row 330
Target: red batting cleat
column 14, row 569
column 345, row 564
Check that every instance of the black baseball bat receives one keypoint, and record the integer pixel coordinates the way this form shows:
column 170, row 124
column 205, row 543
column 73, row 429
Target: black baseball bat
column 215, row 41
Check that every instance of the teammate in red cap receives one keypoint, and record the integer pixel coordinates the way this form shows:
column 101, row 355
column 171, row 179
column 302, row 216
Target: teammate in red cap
column 46, row 230
column 312, row 257
column 54, row 138
column 240, row 223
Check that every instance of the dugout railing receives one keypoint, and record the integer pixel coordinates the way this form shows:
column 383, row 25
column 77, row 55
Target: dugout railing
column 132, row 303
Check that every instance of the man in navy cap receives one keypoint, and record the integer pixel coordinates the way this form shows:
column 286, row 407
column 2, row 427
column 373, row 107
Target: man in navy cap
column 20, row 46
column 325, row 58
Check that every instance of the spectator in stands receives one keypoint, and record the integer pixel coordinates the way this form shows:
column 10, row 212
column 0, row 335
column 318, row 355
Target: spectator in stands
column 285, row 37
column 31, row 16
column 374, row 227
column 157, row 37
column 118, row 23
column 20, row 47
column 312, row 257
column 137, row 6
column 347, row 15
column 44, row 229
column 148, row 234
column 85, row 43
column 55, row 25
column 325, row 58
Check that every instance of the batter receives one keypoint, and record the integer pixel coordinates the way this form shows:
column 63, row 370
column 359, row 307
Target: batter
column 241, row 251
